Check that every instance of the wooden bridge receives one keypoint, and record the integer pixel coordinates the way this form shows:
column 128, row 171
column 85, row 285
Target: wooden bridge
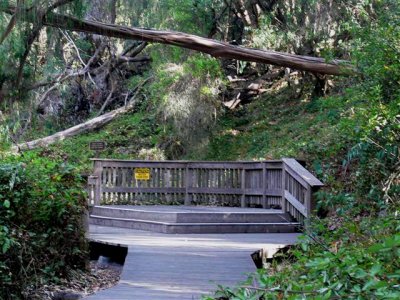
column 201, row 197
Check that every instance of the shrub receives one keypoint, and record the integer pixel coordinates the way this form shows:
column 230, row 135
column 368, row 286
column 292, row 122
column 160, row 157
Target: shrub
column 354, row 259
column 41, row 224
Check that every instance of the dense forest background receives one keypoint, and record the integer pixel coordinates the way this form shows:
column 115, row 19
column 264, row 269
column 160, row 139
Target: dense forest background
column 167, row 102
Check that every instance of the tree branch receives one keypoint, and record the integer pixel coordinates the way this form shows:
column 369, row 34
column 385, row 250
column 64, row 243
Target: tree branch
column 109, row 97
column 29, row 41
column 136, row 49
column 86, row 67
column 9, row 28
column 197, row 43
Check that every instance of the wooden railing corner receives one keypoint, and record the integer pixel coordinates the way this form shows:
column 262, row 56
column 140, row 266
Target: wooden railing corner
column 299, row 186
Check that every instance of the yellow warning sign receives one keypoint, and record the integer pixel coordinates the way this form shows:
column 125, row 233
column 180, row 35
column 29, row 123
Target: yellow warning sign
column 142, row 174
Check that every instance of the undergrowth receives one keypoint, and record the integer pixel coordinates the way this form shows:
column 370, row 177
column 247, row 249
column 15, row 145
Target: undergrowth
column 351, row 140
column 341, row 258
column 42, row 237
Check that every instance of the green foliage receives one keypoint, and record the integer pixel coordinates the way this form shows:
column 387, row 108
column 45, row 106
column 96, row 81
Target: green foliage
column 352, row 259
column 193, row 16
column 377, row 51
column 13, row 47
column 41, row 232
column 126, row 137
column 201, row 65
column 270, row 128
column 318, row 27
column 352, row 139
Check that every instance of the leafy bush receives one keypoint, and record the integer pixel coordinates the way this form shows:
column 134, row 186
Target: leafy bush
column 201, row 65
column 41, row 223
column 355, row 253
column 354, row 259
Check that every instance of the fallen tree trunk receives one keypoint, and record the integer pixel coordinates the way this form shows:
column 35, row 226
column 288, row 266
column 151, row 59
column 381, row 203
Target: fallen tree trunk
column 78, row 129
column 90, row 125
column 197, row 43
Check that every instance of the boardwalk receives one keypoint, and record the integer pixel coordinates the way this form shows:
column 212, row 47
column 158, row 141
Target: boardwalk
column 162, row 266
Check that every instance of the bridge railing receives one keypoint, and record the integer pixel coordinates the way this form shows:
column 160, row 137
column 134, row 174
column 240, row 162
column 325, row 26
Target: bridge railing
column 283, row 184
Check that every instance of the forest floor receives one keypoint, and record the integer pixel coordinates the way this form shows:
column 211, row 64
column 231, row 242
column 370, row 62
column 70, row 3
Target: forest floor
column 101, row 276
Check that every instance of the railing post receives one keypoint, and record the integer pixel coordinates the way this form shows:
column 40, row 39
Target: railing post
column 264, row 185
column 283, row 201
column 243, row 186
column 91, row 189
column 188, row 184
column 308, row 199
column 98, row 168
column 168, row 183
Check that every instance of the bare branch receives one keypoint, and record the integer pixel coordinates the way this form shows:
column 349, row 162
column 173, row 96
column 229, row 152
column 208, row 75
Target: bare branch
column 58, row 82
column 108, row 100
column 136, row 49
column 124, row 59
column 9, row 28
column 86, row 67
column 29, row 41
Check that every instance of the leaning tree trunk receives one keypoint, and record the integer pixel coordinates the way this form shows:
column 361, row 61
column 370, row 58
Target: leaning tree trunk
column 197, row 43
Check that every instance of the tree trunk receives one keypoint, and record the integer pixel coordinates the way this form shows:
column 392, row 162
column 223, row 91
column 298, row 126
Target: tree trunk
column 90, row 125
column 78, row 129
column 201, row 44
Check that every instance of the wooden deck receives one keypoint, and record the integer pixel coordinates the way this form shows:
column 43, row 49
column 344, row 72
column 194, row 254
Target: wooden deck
column 283, row 184
column 162, row 267
column 193, row 219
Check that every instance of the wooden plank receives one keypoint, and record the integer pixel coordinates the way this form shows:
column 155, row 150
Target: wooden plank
column 243, row 185
column 253, row 166
column 260, row 192
column 140, row 189
column 308, row 200
column 283, row 189
column 254, row 191
column 148, row 164
column 296, row 204
column 188, row 185
column 214, row 165
column 302, row 172
column 273, row 165
column 292, row 174
column 264, row 186
column 206, row 190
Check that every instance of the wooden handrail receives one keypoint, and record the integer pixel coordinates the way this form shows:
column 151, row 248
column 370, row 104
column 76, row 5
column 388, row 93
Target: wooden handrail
column 268, row 184
column 298, row 189
column 297, row 169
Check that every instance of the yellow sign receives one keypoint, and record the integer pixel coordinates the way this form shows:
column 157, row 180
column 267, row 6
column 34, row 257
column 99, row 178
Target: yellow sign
column 142, row 174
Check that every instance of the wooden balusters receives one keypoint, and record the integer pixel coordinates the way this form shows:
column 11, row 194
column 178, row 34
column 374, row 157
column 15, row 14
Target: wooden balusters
column 270, row 184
